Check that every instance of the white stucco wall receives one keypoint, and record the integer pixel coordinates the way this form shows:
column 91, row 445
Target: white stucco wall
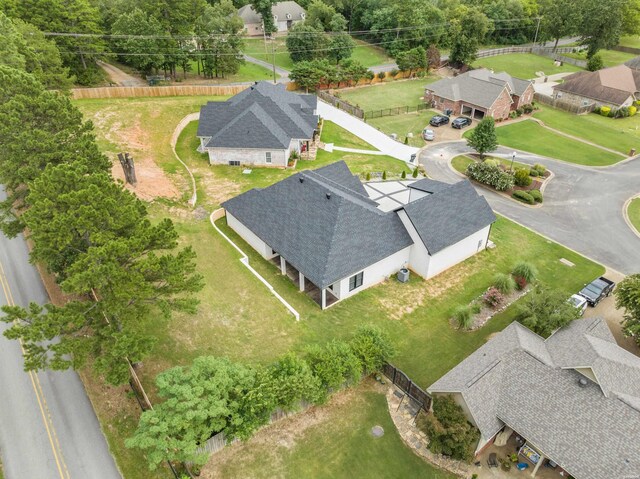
column 247, row 156
column 458, row 252
column 373, row 274
column 419, row 257
column 246, row 234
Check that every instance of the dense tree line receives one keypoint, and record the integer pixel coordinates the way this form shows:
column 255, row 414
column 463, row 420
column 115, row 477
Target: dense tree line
column 124, row 275
column 216, row 395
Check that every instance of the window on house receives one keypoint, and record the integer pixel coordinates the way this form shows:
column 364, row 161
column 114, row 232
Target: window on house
column 585, row 102
column 234, row 162
column 559, row 94
column 267, row 157
column 355, row 281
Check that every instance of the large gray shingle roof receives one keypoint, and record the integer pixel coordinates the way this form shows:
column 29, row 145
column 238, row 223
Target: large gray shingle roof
column 449, row 215
column 280, row 10
column 479, row 87
column 325, row 239
column 262, row 116
column 519, row 379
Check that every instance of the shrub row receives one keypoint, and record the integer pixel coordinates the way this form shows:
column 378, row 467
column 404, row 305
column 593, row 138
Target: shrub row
column 531, row 197
column 490, row 175
column 622, row 112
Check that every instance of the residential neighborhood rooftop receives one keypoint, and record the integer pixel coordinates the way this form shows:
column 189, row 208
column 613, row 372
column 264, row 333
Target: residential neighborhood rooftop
column 612, row 85
column 279, row 10
column 591, row 428
column 262, row 116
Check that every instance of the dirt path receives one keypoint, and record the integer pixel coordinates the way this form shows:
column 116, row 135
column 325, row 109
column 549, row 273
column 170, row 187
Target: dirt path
column 119, row 77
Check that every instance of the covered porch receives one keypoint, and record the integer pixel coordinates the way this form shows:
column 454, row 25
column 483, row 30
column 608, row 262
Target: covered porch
column 510, row 455
column 322, row 297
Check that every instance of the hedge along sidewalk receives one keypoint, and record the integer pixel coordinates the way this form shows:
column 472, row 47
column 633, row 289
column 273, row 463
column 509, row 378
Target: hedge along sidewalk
column 219, row 213
column 502, row 193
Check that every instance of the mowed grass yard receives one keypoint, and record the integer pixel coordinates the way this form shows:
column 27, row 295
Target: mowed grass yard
column 632, row 41
column 529, row 136
column 610, row 58
column 240, row 319
column 634, row 213
column 367, row 54
column 621, row 134
column 406, row 123
column 523, row 65
column 334, row 442
column 388, row 94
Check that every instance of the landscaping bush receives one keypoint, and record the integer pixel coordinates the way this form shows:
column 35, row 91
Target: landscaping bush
column 605, row 110
column 537, row 195
column 521, row 177
column 415, row 173
column 636, row 103
column 463, row 316
column 519, row 111
column 334, row 365
column 448, row 430
column 394, row 72
column 382, row 76
column 513, row 114
column 384, row 175
column 523, row 196
column 493, row 297
column 368, row 176
column 596, row 110
column 403, row 175
column 492, row 162
column 533, row 173
column 504, row 283
column 475, row 307
column 490, row 175
column 633, row 110
column 528, row 108
column 541, row 169
column 526, row 270
column 372, row 347
column 595, row 63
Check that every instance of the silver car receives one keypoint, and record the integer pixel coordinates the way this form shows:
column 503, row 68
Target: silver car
column 428, row 134
column 578, row 302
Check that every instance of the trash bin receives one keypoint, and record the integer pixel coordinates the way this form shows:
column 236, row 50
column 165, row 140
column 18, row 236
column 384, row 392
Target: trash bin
column 403, row 275
column 632, row 152
column 413, row 157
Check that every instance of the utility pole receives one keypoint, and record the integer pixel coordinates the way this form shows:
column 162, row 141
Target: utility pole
column 535, row 39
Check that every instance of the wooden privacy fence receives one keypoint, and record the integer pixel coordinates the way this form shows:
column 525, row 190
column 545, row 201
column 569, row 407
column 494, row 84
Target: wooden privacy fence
column 156, row 91
column 341, row 104
column 410, row 388
column 620, row 48
column 398, row 110
column 563, row 105
column 545, row 51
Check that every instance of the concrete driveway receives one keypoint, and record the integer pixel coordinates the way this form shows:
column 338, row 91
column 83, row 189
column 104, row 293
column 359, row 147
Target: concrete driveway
column 366, row 132
column 582, row 205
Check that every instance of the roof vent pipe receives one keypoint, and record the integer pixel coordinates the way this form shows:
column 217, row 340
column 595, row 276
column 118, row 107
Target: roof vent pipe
column 582, row 382
column 328, row 196
column 301, row 179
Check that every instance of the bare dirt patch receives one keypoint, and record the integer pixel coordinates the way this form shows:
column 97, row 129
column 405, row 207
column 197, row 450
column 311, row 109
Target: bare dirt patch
column 402, row 298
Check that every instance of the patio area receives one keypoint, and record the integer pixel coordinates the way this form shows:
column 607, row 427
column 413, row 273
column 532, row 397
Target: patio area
column 504, row 453
column 310, row 289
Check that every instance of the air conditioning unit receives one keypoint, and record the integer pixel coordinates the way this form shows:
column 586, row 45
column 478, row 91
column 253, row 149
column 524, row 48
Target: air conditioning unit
column 403, row 275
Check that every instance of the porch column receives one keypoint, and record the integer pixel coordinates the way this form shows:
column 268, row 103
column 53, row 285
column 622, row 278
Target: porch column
column 301, row 281
column 535, row 469
column 283, row 265
column 324, row 298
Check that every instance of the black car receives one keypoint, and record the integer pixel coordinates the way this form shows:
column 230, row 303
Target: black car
column 598, row 289
column 460, row 122
column 439, row 120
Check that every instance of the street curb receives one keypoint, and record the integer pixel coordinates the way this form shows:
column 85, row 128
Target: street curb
column 625, row 214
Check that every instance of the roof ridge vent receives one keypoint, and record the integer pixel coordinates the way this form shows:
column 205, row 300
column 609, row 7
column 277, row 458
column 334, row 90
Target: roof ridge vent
column 328, row 195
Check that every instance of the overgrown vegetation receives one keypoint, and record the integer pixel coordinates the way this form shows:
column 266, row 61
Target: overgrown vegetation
column 628, row 297
column 545, row 310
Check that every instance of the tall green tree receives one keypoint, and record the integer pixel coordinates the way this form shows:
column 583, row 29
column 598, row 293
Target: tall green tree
column 130, row 266
column 37, row 128
column 320, row 13
column 468, row 28
column 11, row 44
column 135, row 43
column 176, row 16
column 600, row 23
column 483, row 137
column 411, row 60
column 545, row 310
column 341, row 46
column 306, row 42
column 265, row 9
column 309, row 74
column 628, row 297
column 560, row 18
column 199, row 401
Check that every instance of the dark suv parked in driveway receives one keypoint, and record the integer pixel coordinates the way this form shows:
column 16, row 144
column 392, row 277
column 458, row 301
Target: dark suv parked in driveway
column 460, row 122
column 439, row 120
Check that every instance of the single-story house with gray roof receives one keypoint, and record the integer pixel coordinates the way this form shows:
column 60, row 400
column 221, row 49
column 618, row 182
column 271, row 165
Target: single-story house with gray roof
column 323, row 228
column 573, row 399
column 262, row 125
column 285, row 15
column 480, row 93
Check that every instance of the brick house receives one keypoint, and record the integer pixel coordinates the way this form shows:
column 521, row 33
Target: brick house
column 480, row 93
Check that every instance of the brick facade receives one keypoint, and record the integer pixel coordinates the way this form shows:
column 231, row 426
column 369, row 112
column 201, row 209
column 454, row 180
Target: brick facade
column 502, row 106
column 525, row 99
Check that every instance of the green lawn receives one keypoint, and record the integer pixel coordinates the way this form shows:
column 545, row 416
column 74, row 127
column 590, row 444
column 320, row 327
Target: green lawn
column 335, row 445
column 332, row 133
column 529, row 136
column 523, row 65
column 634, row 213
column 620, row 134
column 610, row 58
column 405, row 123
column 388, row 94
column 632, row 41
column 367, row 54
column 461, row 162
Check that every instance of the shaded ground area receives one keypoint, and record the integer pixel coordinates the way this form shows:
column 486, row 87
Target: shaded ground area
column 120, row 77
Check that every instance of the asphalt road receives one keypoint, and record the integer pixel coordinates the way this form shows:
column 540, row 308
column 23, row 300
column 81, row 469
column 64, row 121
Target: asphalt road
column 582, row 205
column 48, row 429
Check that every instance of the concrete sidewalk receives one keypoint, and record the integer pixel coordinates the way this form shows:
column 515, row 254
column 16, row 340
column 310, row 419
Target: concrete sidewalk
column 368, row 133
